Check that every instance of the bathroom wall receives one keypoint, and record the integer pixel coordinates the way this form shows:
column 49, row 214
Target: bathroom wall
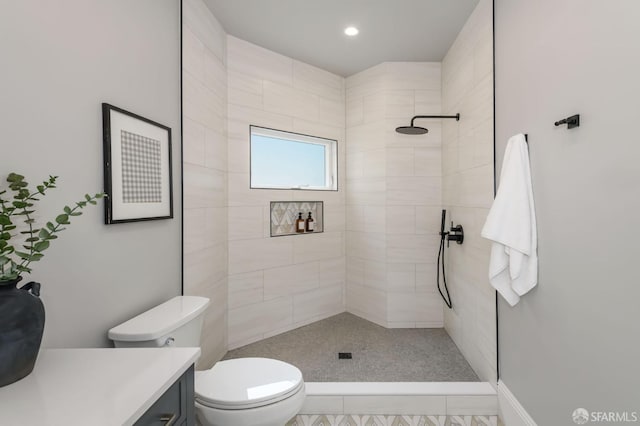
column 572, row 341
column 277, row 284
column 467, row 169
column 393, row 195
column 204, row 100
column 60, row 61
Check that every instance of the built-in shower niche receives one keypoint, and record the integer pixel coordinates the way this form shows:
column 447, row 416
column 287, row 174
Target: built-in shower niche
column 284, row 215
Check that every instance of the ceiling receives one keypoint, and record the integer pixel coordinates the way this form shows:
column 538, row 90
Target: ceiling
column 313, row 31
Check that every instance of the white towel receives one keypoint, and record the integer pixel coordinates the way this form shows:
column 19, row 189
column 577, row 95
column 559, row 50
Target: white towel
column 511, row 225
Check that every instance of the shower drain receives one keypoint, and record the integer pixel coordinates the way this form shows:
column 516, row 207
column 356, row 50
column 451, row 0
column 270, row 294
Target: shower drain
column 344, row 355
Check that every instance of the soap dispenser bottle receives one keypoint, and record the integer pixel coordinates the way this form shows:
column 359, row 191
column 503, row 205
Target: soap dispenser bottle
column 300, row 223
column 309, row 224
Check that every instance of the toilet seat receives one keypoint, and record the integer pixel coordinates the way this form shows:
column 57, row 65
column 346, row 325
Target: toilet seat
column 243, row 383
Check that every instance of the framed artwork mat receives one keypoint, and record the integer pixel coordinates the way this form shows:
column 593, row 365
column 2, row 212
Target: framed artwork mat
column 137, row 167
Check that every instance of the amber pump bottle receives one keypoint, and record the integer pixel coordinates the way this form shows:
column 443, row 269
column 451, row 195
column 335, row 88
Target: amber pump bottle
column 309, row 224
column 300, row 223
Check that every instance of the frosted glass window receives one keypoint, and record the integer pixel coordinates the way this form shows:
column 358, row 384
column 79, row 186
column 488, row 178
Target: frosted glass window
column 285, row 160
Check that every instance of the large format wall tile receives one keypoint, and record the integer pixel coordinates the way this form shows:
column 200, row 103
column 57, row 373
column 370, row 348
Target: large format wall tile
column 467, row 167
column 271, row 90
column 393, row 193
column 205, row 172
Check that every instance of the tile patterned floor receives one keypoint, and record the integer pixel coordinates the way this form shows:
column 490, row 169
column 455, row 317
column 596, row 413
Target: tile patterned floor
column 379, row 420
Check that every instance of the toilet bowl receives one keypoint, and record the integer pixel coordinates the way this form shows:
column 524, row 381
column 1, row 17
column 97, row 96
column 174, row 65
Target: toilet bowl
column 248, row 392
column 236, row 392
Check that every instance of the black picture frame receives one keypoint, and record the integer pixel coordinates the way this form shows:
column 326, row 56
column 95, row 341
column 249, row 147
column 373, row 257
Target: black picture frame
column 138, row 176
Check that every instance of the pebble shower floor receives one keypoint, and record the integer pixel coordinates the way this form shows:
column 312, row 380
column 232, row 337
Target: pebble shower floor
column 379, row 420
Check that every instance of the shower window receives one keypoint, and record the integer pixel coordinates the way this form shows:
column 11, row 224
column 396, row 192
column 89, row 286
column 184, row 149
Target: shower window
column 285, row 160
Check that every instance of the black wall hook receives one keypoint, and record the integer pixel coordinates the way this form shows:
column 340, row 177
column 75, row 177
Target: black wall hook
column 571, row 122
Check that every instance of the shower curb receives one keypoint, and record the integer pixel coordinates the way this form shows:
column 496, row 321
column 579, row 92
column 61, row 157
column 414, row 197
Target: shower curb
column 403, row 398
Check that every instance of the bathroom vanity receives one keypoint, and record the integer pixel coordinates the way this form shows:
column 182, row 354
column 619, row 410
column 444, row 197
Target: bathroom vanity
column 104, row 387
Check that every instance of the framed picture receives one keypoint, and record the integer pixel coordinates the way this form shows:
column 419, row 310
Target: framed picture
column 137, row 167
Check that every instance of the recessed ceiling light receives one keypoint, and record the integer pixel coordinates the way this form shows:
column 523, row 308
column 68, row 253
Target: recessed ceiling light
column 351, row 31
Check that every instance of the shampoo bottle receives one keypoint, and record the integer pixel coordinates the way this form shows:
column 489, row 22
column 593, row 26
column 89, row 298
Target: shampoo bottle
column 309, row 224
column 300, row 223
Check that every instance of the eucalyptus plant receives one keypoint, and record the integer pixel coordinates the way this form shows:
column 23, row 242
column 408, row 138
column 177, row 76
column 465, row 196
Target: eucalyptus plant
column 19, row 248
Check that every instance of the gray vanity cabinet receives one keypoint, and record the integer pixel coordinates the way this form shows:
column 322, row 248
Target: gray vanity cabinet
column 175, row 407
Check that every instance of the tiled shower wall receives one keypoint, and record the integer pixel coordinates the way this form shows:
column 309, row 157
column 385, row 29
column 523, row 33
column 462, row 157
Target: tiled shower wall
column 467, row 166
column 277, row 284
column 394, row 188
column 393, row 195
column 205, row 169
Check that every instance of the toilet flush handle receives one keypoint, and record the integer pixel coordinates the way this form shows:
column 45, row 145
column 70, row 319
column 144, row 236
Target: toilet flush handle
column 169, row 342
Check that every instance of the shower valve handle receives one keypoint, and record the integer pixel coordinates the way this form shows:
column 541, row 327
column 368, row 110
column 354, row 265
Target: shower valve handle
column 456, row 233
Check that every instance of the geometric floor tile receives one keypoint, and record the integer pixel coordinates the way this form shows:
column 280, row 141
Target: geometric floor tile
column 395, row 420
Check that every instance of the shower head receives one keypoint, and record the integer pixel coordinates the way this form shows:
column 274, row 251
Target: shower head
column 415, row 130
column 411, row 130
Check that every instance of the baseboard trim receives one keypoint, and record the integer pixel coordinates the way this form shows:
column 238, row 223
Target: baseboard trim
column 511, row 411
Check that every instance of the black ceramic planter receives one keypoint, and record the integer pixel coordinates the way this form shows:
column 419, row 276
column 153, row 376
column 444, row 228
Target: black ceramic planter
column 21, row 328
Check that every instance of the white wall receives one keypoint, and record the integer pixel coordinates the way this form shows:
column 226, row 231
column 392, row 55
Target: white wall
column 60, row 61
column 467, row 168
column 277, row 284
column 573, row 340
column 205, row 171
column 393, row 195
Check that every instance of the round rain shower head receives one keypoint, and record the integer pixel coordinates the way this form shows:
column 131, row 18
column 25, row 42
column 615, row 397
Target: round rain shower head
column 412, row 130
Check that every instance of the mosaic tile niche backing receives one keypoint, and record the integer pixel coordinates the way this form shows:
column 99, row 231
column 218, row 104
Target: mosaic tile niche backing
column 285, row 213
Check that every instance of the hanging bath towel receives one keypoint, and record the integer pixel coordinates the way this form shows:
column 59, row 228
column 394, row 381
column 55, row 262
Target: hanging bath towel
column 511, row 226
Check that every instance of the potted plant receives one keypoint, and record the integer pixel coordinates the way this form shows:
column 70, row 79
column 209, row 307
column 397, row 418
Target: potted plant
column 23, row 242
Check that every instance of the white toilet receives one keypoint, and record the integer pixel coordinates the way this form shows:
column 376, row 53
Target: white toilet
column 236, row 392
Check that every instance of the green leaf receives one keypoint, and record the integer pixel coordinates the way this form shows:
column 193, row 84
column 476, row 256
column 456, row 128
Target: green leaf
column 40, row 189
column 93, row 202
column 51, row 226
column 32, row 239
column 52, row 237
column 23, row 269
column 14, row 177
column 9, row 228
column 87, row 197
column 41, row 246
column 4, row 260
column 5, row 220
column 19, row 204
column 5, row 236
column 23, row 255
column 62, row 219
column 43, row 233
column 81, row 204
column 67, row 210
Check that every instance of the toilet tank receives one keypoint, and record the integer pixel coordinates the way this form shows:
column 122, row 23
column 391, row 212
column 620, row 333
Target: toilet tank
column 176, row 322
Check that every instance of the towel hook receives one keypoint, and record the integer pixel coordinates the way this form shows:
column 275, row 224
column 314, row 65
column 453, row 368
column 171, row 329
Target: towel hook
column 571, row 122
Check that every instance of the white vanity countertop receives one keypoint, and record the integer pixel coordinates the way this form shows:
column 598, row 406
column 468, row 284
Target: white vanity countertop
column 94, row 387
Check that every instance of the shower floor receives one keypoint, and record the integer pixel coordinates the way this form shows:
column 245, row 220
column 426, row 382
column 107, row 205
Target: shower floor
column 378, row 354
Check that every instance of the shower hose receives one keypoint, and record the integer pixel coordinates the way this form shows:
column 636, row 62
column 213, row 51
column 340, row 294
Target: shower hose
column 447, row 298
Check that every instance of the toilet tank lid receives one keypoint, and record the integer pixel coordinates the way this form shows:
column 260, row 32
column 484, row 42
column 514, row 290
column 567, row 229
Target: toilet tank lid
column 161, row 320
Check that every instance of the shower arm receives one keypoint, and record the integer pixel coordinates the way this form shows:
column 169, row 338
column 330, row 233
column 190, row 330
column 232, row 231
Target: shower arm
column 457, row 117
